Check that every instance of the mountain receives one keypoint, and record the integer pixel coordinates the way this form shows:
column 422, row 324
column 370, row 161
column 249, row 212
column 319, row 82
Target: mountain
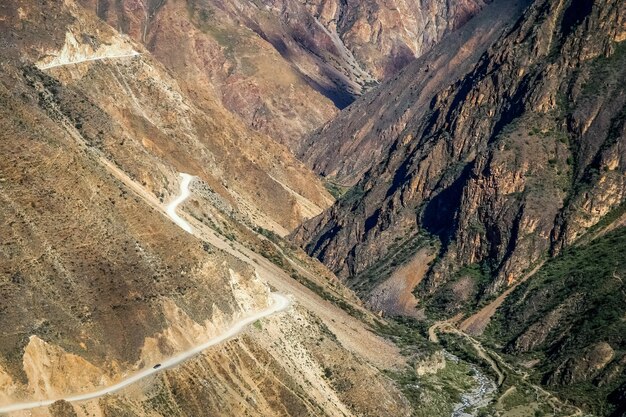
column 138, row 115
column 482, row 191
column 171, row 247
column 284, row 67
column 351, row 143
column 98, row 283
column 511, row 161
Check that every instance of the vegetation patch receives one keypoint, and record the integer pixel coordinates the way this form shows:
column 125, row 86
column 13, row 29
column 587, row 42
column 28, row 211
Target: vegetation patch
column 584, row 289
column 435, row 394
column 452, row 299
column 408, row 334
column 336, row 190
column 323, row 293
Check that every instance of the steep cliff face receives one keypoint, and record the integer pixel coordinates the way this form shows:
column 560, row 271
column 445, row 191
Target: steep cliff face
column 516, row 159
column 284, row 66
column 360, row 137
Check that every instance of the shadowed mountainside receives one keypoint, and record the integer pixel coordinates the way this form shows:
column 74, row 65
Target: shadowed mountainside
column 514, row 160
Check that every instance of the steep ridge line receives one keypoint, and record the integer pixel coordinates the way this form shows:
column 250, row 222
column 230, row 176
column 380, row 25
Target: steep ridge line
column 280, row 303
column 184, row 194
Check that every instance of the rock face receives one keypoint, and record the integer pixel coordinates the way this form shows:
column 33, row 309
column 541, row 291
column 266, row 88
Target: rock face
column 366, row 41
column 284, row 66
column 516, row 158
column 358, row 138
column 585, row 367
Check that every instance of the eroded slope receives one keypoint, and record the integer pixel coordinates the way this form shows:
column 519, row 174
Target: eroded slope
column 97, row 282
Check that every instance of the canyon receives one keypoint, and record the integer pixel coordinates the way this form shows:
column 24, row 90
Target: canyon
column 312, row 208
column 284, row 67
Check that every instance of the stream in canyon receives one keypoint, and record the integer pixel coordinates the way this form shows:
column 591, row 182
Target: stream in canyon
column 476, row 398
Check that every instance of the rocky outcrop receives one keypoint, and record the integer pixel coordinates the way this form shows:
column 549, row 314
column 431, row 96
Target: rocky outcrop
column 584, row 367
column 430, row 364
column 366, row 41
column 502, row 165
column 542, row 331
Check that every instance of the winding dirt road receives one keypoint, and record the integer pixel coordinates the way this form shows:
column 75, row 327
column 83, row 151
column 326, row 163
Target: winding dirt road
column 280, row 303
column 184, row 195
column 447, row 326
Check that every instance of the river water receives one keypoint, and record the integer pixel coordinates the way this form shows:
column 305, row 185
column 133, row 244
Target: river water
column 478, row 397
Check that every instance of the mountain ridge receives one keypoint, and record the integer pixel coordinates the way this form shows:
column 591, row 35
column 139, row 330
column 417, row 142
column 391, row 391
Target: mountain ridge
column 381, row 205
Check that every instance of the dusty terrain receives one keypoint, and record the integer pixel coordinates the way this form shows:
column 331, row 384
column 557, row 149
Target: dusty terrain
column 133, row 111
column 394, row 296
column 97, row 281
